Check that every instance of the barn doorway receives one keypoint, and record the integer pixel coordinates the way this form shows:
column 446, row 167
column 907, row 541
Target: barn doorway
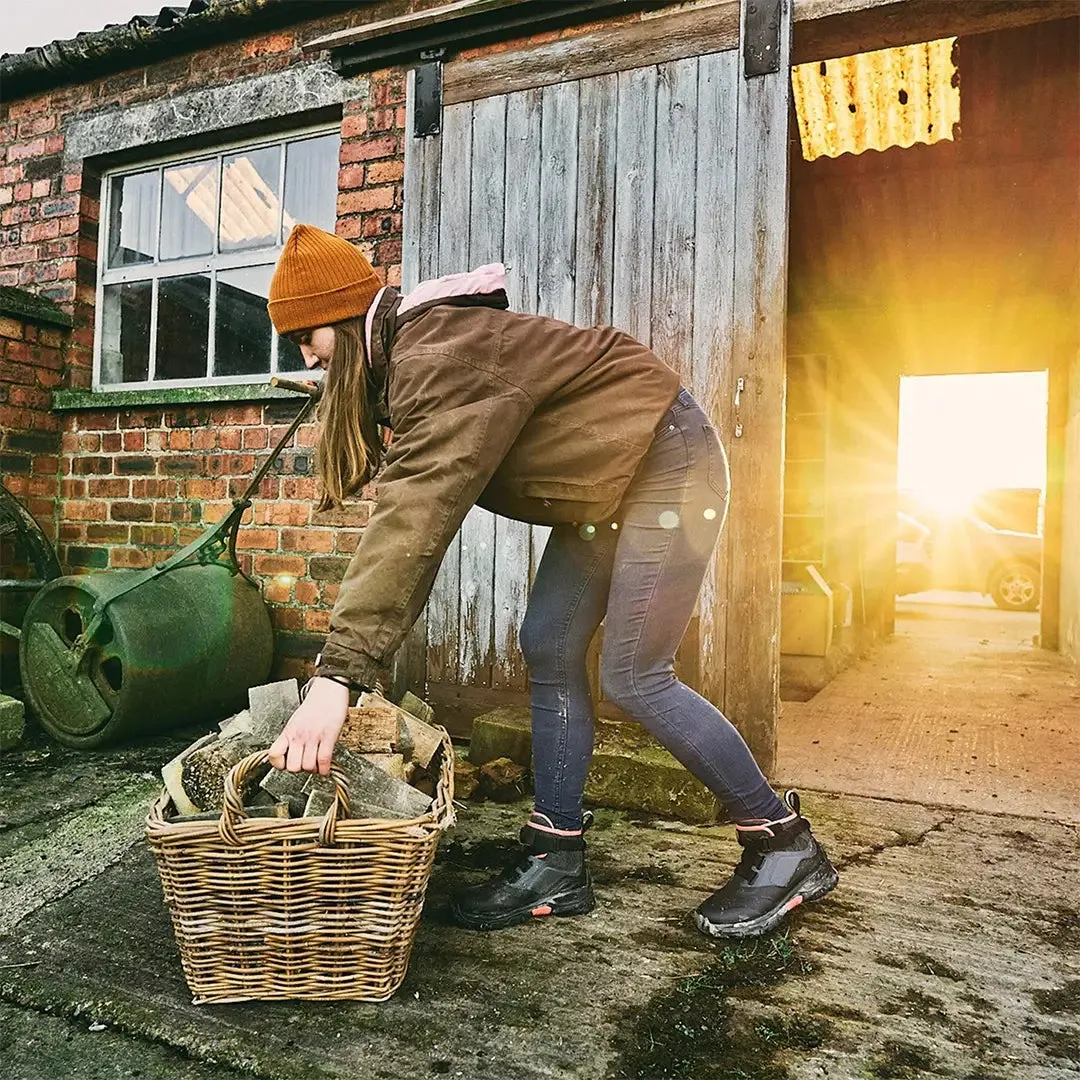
column 971, row 487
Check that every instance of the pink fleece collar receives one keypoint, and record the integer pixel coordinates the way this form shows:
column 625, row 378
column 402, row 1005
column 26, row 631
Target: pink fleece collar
column 485, row 279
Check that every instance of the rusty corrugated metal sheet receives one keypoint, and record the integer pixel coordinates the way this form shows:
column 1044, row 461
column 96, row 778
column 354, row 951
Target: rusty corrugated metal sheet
column 874, row 100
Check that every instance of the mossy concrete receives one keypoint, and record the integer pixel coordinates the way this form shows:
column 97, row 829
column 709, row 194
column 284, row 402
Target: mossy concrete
column 629, row 770
column 951, row 940
column 12, row 722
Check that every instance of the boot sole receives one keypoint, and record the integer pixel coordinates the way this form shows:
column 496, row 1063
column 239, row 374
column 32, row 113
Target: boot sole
column 816, row 885
column 579, row 901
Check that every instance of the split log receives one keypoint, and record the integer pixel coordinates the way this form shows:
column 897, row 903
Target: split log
column 466, row 779
column 371, row 789
column 172, row 775
column 502, row 780
column 203, row 772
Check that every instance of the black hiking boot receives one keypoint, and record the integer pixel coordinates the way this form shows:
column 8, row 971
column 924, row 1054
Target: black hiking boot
column 548, row 878
column 782, row 866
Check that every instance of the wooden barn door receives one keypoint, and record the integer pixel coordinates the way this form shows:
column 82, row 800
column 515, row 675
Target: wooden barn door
column 653, row 199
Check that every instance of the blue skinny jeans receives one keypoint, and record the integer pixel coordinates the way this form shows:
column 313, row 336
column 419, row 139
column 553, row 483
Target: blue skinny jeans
column 641, row 573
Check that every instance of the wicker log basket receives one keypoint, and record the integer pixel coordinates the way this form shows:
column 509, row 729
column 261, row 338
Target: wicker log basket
column 321, row 908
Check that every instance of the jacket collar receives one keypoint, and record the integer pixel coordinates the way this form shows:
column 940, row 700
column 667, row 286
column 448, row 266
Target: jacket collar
column 389, row 311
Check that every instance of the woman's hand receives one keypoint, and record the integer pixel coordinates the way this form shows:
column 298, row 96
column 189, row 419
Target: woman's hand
column 307, row 741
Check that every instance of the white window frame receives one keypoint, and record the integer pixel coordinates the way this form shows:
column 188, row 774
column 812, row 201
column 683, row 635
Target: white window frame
column 209, row 264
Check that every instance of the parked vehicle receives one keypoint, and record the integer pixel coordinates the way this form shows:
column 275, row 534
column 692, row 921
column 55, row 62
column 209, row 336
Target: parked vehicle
column 966, row 554
column 914, row 556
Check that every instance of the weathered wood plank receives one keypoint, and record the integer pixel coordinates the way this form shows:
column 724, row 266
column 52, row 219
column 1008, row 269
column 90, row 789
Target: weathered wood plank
column 596, row 200
column 634, row 177
column 488, row 182
column 454, row 220
column 521, row 248
column 761, row 186
column 831, row 28
column 558, row 201
column 675, row 210
column 419, row 260
column 713, row 299
column 605, row 51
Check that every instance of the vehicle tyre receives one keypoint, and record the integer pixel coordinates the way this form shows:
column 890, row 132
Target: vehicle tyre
column 1015, row 586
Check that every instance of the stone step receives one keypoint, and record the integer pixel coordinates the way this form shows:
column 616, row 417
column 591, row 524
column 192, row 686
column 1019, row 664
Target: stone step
column 12, row 722
column 629, row 770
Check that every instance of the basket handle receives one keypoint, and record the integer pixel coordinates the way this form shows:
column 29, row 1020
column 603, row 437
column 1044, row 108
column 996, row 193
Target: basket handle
column 232, row 809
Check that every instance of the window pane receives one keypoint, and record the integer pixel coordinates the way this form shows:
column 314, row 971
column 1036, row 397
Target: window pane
column 133, row 218
column 311, row 167
column 183, row 326
column 289, row 357
column 189, row 210
column 125, row 332
column 249, row 199
column 242, row 325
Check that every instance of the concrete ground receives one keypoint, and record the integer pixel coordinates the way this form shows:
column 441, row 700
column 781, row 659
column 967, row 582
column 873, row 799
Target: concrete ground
column 951, row 949
column 959, row 708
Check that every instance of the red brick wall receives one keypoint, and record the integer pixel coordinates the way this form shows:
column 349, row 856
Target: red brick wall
column 31, row 360
column 128, row 487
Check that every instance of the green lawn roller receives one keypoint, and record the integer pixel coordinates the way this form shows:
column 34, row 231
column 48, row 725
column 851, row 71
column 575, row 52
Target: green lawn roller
column 122, row 653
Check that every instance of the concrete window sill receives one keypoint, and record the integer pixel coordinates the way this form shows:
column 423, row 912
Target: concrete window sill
column 71, row 400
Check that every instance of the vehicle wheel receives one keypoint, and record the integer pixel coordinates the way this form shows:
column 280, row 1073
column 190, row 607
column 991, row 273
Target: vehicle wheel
column 1015, row 587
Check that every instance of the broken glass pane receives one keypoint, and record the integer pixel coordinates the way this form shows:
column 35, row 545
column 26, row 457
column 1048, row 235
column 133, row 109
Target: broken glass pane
column 183, row 326
column 249, row 199
column 189, row 209
column 242, row 325
column 125, row 332
column 311, row 168
column 133, row 218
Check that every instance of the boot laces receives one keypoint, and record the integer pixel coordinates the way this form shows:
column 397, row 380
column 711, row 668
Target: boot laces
column 750, row 863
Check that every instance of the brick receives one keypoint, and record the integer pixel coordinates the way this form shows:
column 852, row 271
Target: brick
column 282, row 618
column 108, row 533
column 44, row 486
column 92, row 465
column 264, row 539
column 327, row 568
column 84, row 510
column 153, row 535
column 353, row 125
column 382, row 172
column 311, row 540
column 109, row 489
column 180, row 440
column 181, row 463
column 92, row 558
column 317, row 622
column 152, row 488
column 128, row 465
column 103, row 421
column 256, row 438
column 293, row 565
column 358, row 202
column 282, row 513
column 202, row 488
column 132, row 511
column 370, row 149
column 242, row 415
column 22, row 151
column 131, row 558
column 11, row 328
column 134, row 440
column 178, row 512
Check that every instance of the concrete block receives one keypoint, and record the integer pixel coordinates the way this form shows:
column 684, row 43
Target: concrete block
column 630, row 771
column 502, row 733
column 12, row 722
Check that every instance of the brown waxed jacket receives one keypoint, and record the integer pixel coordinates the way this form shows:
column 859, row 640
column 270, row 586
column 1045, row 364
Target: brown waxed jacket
column 526, row 416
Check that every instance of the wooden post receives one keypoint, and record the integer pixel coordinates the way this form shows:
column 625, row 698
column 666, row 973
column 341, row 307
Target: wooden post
column 756, row 432
column 1057, row 418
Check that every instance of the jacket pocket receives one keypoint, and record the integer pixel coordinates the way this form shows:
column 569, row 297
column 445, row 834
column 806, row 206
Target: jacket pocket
column 582, row 502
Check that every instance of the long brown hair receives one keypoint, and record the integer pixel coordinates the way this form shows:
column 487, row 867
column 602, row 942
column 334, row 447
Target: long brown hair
column 349, row 448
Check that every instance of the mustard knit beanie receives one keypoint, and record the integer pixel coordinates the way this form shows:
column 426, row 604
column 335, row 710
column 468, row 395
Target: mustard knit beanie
column 319, row 280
